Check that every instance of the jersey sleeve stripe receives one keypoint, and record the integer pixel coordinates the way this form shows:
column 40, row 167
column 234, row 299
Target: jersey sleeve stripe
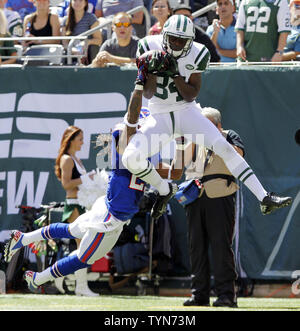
column 201, row 55
column 146, row 44
column 143, row 46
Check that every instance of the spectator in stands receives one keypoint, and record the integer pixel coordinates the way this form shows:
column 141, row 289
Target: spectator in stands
column 292, row 48
column 200, row 37
column 79, row 20
column 6, row 47
column 105, row 9
column 161, row 10
column 14, row 21
column 41, row 24
column 23, row 7
column 121, row 48
column 262, row 30
column 61, row 9
column 222, row 32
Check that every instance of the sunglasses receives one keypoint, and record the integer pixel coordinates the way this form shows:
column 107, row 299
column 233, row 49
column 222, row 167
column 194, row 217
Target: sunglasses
column 125, row 24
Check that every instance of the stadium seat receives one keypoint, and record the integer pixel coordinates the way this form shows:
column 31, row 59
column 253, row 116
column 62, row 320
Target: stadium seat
column 46, row 54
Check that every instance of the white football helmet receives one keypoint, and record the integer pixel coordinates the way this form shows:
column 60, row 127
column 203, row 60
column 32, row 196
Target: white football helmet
column 182, row 27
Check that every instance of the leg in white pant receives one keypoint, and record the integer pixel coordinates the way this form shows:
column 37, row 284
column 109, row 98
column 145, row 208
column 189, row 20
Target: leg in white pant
column 188, row 122
column 193, row 123
column 155, row 133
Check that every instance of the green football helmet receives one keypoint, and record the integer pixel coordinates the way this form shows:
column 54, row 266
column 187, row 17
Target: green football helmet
column 182, row 27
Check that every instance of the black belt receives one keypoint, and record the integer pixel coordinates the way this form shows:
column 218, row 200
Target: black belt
column 229, row 178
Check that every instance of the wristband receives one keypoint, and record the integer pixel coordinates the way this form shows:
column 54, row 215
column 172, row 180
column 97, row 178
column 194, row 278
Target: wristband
column 139, row 87
column 131, row 125
column 278, row 51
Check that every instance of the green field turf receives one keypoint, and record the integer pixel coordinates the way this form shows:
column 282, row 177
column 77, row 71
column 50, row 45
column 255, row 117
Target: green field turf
column 29, row 302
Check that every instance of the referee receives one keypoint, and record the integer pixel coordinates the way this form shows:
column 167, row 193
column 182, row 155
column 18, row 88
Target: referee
column 211, row 219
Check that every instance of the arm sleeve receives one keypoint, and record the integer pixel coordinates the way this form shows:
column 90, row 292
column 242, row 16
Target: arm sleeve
column 209, row 31
column 142, row 47
column 92, row 19
column 283, row 17
column 202, row 60
column 241, row 18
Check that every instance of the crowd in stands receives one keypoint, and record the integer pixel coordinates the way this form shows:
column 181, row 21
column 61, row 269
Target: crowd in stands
column 238, row 30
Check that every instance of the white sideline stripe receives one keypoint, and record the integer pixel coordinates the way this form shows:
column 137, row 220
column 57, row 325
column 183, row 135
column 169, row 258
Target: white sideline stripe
column 7, row 102
column 72, row 103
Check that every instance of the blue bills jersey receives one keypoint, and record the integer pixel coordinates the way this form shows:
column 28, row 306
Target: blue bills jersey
column 125, row 190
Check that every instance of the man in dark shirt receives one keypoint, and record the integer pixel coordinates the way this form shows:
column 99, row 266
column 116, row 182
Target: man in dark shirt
column 121, row 48
column 200, row 37
column 211, row 219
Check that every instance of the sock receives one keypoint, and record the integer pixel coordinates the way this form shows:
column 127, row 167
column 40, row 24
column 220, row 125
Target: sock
column 248, row 177
column 239, row 168
column 142, row 168
column 63, row 267
column 55, row 230
column 152, row 177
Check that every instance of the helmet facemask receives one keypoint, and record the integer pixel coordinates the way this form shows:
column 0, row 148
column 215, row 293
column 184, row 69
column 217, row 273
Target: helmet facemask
column 179, row 53
column 182, row 27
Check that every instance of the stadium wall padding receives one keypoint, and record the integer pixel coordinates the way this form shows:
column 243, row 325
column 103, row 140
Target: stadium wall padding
column 260, row 103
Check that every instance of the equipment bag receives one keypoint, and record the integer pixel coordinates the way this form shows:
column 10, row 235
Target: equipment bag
column 188, row 192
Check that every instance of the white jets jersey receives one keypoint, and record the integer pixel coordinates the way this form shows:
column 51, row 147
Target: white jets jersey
column 14, row 23
column 167, row 97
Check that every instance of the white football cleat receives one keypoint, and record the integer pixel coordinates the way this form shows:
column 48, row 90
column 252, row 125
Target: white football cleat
column 85, row 292
column 29, row 276
column 13, row 245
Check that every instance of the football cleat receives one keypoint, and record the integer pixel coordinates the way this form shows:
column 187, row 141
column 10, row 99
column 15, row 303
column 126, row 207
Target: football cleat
column 29, row 276
column 13, row 245
column 160, row 205
column 272, row 201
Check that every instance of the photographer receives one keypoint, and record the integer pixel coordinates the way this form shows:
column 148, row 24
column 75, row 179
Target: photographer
column 211, row 219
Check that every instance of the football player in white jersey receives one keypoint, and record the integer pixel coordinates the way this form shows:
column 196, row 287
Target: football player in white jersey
column 175, row 112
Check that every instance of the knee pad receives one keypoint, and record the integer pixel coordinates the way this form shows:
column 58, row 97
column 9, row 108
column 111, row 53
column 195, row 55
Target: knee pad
column 134, row 161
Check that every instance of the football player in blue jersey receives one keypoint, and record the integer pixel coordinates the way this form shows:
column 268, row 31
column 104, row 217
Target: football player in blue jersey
column 99, row 228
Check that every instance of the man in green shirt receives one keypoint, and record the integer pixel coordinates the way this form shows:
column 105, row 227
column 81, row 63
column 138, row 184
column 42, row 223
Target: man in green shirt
column 262, row 28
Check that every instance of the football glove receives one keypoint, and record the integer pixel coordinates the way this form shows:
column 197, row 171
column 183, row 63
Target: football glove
column 154, row 62
column 172, row 69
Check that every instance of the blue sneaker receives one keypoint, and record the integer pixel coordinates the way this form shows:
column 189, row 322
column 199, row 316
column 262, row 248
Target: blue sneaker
column 13, row 245
column 29, row 276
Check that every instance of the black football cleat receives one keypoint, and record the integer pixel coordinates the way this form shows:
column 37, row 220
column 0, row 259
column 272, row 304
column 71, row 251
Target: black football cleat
column 193, row 302
column 223, row 301
column 272, row 201
column 160, row 205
